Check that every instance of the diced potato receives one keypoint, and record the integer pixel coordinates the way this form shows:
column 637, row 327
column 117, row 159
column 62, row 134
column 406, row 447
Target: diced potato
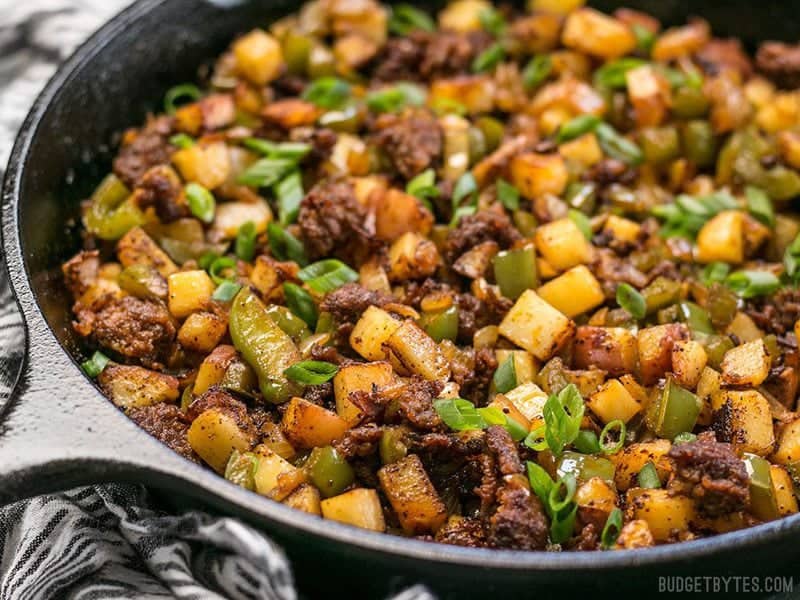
column 134, row 387
column 213, row 435
column 213, row 368
column 744, row 328
column 636, row 390
column 592, row 32
column 788, row 444
column 535, row 175
column 366, row 18
column 463, row 15
column 536, row 326
column 746, row 365
column 537, row 33
column 722, row 238
column 206, row 164
column 215, row 111
column 588, row 381
column 525, row 366
column 688, row 361
column 782, row 112
column 189, row 291
column 474, row 92
column 571, row 95
column 789, row 146
column 622, row 229
column 372, row 276
column 275, row 477
column 504, row 404
column 612, row 401
column 371, row 331
column 681, row 41
column 291, row 112
column 630, row 460
column 584, row 150
column 612, row 349
column 655, row 349
column 635, row 534
column 412, row 256
column 455, row 131
column 570, row 64
column 649, row 93
column 358, row 378
column 202, row 331
column 305, row 498
column 359, row 507
column 576, row 291
column 412, row 496
column 353, row 51
column 258, row 57
column 666, row 515
column 138, row 248
column 746, row 421
column 230, row 216
column 272, row 437
column 596, row 499
column 309, row 425
column 397, row 213
column 558, row 7
column 529, row 400
column 268, row 276
column 411, row 350
column 708, row 390
column 784, row 490
column 562, row 244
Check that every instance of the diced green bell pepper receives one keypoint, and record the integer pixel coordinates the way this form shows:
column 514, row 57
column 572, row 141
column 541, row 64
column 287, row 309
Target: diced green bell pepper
column 763, row 503
column 585, row 466
column 329, row 471
column 673, row 411
column 515, row 271
column 441, row 325
column 112, row 210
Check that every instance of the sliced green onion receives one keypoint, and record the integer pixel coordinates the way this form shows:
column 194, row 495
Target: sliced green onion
column 536, row 439
column 226, row 291
column 791, row 259
column 576, row 127
column 562, row 524
column 507, row 194
column 311, row 372
column 684, row 438
column 201, row 202
column 563, row 414
column 95, row 365
column 618, row 146
column 207, row 260
column 300, row 303
column 562, row 493
column 289, row 150
column 750, row 284
column 536, row 71
column 396, row 97
column 629, row 298
column 447, row 106
column 180, row 93
column 540, row 480
column 582, row 222
column 488, row 59
column 327, row 275
column 492, row 21
column 759, row 205
column 459, row 414
column 406, row 18
column 181, row 140
column 648, row 477
column 284, row 246
column 587, row 442
column 465, row 186
column 644, row 37
column 715, row 272
column 266, row 172
column 246, row 241
column 607, row 444
column 612, row 529
column 612, row 74
column 423, row 186
column 327, row 92
column 289, row 192
column 505, row 377
column 217, row 266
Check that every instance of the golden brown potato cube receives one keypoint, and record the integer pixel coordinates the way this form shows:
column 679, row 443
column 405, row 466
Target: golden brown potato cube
column 536, row 33
column 275, row 477
column 230, row 216
column 789, row 146
column 475, row 263
column 258, row 57
column 649, row 94
column 372, row 276
column 134, row 387
column 359, row 507
column 555, row 7
column 353, row 51
column 412, row 256
column 309, row 425
column 536, row 326
column 535, row 175
column 213, row 368
column 612, row 401
column 596, row 499
column 635, row 534
column 746, row 422
column 413, row 351
column 584, row 150
column 212, row 112
column 397, row 213
column 781, row 112
column 744, row 328
column 681, row 41
column 573, row 293
column 655, row 349
column 202, row 331
column 474, row 92
column 138, row 248
column 213, row 435
column 463, row 15
column 722, row 238
column 412, row 496
column 622, row 229
column 592, row 32
column 268, row 276
column 455, row 131
column 708, row 390
column 562, row 244
column 630, row 460
column 666, row 515
column 291, row 112
column 305, row 498
column 374, row 328
column 529, row 400
column 206, row 164
column 788, row 444
column 746, row 365
column 356, row 377
column 783, row 489
column 612, row 349
column 366, row 18
column 688, row 361
column 189, row 291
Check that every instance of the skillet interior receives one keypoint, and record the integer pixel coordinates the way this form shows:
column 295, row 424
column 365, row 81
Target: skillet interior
column 69, row 151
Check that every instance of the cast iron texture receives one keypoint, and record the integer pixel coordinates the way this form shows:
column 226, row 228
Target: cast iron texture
column 59, row 431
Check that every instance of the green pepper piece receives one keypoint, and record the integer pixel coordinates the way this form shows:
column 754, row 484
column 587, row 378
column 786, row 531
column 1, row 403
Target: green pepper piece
column 689, row 102
column 722, row 305
column 661, row 292
column 296, row 51
column 239, row 378
column 392, row 446
column 515, row 271
column 290, row 323
column 112, row 210
column 329, row 471
column 716, row 346
column 264, row 345
column 696, row 317
column 673, row 411
column 493, row 132
column 143, row 281
column 347, row 119
column 699, row 143
column 441, row 325
column 241, row 469
column 477, row 144
column 325, row 323
column 660, row 144
column 763, row 503
column 585, row 466
column 780, row 183
column 321, row 62
column 187, row 397
column 582, row 196
column 526, row 223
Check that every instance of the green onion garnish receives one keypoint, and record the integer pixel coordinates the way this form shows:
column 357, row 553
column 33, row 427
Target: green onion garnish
column 715, row 272
column 246, row 241
column 562, row 493
column 181, row 140
column 447, row 106
column 201, row 202
column 95, row 365
column 618, row 146
column 327, row 92
column 586, row 442
column 759, row 205
column 687, row 215
column 217, row 266
column 461, row 415
column 536, row 71
column 684, row 438
column 289, row 150
column 507, row 194
column 644, row 37
column 563, row 414
column 505, row 377
column 612, row 75
column 284, row 246
column 207, row 260
column 750, row 284
column 180, row 94
column 465, row 188
column 648, row 477
column 492, row 21
column 488, row 59
column 226, row 291
column 396, row 97
column 612, row 529
column 423, row 187
column 327, row 275
column 629, row 298
column 560, row 506
column 266, row 172
column 406, row 18
column 582, row 222
column 289, row 192
column 608, row 443
column 791, row 260
column 300, row 303
column 311, row 372
column 576, row 127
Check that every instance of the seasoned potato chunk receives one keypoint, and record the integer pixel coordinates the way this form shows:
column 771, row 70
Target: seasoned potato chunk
column 746, row 365
column 309, row 425
column 134, row 387
column 666, row 515
column 412, row 256
column 632, row 458
column 359, row 507
column 397, row 213
column 688, row 361
column 214, row 434
column 412, row 496
column 202, row 331
column 138, row 248
column 562, row 244
column 535, row 175
column 411, row 350
column 213, row 368
column 722, row 238
column 189, row 291
column 206, row 164
column 358, row 378
column 655, row 349
column 371, row 331
column 576, row 291
column 275, row 477
column 463, row 15
column 745, row 421
column 788, row 451
column 306, row 498
column 612, row 349
column 612, row 401
column 258, row 57
column 592, row 32
column 536, row 326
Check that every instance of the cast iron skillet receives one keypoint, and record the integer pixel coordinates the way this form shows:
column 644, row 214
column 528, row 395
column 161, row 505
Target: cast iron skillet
column 58, row 431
